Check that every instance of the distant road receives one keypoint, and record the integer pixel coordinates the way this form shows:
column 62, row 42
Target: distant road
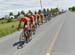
column 56, row 37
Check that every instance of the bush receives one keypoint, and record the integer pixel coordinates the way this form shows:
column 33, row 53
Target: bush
column 9, row 20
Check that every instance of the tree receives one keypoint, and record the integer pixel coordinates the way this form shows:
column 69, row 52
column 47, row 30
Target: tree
column 48, row 10
column 44, row 10
column 39, row 11
column 69, row 8
column 57, row 10
column 22, row 12
column 73, row 8
column 53, row 11
column 2, row 18
column 9, row 20
column 10, row 14
column 18, row 13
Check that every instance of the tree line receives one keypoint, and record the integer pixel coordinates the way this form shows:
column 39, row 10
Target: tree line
column 53, row 11
column 72, row 8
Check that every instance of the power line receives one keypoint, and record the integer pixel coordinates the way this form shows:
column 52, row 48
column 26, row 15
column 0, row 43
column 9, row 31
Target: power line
column 41, row 4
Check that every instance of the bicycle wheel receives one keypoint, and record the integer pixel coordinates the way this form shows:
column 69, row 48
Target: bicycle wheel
column 22, row 37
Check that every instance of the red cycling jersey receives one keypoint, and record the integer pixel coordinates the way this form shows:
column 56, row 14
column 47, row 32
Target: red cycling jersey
column 38, row 16
column 35, row 17
column 25, row 19
column 32, row 17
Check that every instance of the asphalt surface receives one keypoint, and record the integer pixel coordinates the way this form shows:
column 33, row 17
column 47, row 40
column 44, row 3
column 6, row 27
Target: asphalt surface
column 65, row 44
column 56, row 37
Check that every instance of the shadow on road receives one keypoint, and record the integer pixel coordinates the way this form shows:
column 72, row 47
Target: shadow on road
column 19, row 43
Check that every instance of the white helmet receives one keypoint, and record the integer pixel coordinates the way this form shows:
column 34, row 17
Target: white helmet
column 20, row 16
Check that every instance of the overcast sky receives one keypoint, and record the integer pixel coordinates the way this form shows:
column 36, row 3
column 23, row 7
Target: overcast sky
column 16, row 5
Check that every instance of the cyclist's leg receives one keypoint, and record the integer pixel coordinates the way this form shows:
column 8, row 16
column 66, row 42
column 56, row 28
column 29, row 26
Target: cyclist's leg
column 30, row 35
column 35, row 23
column 45, row 19
column 38, row 21
column 28, row 32
column 42, row 20
column 33, row 29
column 25, row 34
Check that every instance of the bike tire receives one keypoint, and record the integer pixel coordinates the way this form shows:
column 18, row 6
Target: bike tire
column 21, row 37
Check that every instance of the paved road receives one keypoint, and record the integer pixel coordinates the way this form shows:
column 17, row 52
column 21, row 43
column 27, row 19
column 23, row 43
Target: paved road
column 53, row 38
column 65, row 44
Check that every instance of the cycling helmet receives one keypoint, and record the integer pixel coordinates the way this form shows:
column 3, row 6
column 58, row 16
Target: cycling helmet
column 20, row 16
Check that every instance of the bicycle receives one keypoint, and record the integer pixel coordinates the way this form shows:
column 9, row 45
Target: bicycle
column 24, row 37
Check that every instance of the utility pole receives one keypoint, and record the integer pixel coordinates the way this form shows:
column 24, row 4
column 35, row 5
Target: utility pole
column 41, row 4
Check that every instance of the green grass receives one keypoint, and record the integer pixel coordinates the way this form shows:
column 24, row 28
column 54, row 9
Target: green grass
column 2, row 21
column 5, row 21
column 8, row 28
column 72, row 10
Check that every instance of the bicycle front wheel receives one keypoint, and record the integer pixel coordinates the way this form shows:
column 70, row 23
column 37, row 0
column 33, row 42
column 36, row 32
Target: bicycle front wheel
column 22, row 37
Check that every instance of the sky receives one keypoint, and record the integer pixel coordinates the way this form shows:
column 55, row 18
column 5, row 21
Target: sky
column 7, row 6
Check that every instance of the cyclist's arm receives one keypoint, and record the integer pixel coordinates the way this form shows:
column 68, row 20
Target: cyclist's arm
column 33, row 22
column 28, row 23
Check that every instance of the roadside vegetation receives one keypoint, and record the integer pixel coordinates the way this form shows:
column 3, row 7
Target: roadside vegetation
column 54, row 11
column 72, row 9
column 9, row 25
column 4, row 21
column 7, row 28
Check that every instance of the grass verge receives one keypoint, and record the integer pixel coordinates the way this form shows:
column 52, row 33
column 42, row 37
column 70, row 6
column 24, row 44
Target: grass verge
column 8, row 28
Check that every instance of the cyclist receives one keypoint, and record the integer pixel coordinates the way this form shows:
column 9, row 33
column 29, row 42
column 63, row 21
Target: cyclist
column 42, row 17
column 48, row 16
column 32, row 23
column 26, row 21
column 38, row 19
column 45, row 16
column 35, row 19
column 32, row 18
